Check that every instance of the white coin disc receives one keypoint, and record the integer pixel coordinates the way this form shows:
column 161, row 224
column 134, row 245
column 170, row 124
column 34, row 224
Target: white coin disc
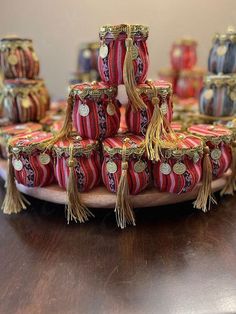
column 165, row 168
column 83, row 110
column 111, row 167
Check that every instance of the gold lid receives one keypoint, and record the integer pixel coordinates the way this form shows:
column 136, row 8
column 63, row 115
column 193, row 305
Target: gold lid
column 220, row 80
column 14, row 42
column 230, row 35
column 186, row 41
column 94, row 89
column 163, row 90
column 14, row 87
column 80, row 146
column 115, row 30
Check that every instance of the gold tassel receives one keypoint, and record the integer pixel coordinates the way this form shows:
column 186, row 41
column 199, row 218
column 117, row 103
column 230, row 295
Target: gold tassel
column 14, row 202
column 230, row 186
column 66, row 128
column 128, row 75
column 159, row 133
column 123, row 209
column 205, row 197
column 75, row 209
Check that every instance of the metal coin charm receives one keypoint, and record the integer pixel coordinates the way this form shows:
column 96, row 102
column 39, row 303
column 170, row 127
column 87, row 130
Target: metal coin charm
column 26, row 103
column 233, row 95
column 111, row 167
column 17, row 164
column 179, row 168
column 111, row 109
column 216, row 154
column 165, row 168
column 103, row 51
column 177, row 52
column 139, row 166
column 164, row 108
column 83, row 110
column 87, row 54
column 221, row 50
column 35, row 57
column 196, row 157
column 12, row 59
column 44, row 159
column 208, row 94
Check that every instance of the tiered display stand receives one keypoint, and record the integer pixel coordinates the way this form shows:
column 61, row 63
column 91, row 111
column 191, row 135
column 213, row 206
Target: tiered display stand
column 100, row 198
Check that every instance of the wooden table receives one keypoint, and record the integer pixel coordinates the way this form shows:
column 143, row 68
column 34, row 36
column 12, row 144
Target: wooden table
column 177, row 260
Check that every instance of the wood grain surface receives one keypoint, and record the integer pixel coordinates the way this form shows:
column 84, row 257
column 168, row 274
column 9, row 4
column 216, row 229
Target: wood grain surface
column 176, row 260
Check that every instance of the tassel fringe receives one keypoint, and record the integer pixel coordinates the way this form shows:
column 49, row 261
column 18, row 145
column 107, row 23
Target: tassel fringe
column 129, row 77
column 75, row 210
column 123, row 210
column 14, row 202
column 205, row 197
column 159, row 132
column 230, row 186
column 66, row 128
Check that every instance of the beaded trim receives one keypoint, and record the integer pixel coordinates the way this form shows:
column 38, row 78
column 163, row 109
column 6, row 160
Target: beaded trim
column 220, row 80
column 14, row 43
column 115, row 30
column 93, row 92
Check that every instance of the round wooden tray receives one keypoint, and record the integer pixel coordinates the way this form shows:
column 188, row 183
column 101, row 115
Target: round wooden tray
column 100, row 197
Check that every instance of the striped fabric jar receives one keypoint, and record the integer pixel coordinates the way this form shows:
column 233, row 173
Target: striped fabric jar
column 169, row 75
column 138, row 166
column 96, row 113
column 179, row 169
column 218, row 97
column 87, row 164
column 218, row 139
column 189, row 83
column 113, row 50
column 25, row 100
column 7, row 133
column 222, row 56
column 18, row 58
column 138, row 120
column 183, row 54
column 33, row 165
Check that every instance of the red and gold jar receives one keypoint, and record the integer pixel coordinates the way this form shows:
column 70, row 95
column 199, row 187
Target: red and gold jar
column 218, row 138
column 125, row 170
column 32, row 163
column 138, row 120
column 25, row 100
column 95, row 112
column 113, row 49
column 169, row 75
column 77, row 169
column 138, row 165
column 87, row 164
column 183, row 54
column 189, row 83
column 8, row 132
column 18, row 58
column 179, row 169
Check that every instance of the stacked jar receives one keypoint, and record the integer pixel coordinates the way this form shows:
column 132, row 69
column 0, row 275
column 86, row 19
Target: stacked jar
column 187, row 79
column 218, row 96
column 24, row 97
